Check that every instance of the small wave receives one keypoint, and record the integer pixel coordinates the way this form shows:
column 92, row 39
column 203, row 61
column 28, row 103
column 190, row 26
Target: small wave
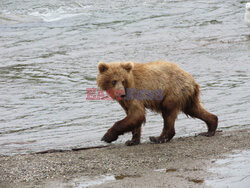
column 56, row 15
column 9, row 18
column 210, row 22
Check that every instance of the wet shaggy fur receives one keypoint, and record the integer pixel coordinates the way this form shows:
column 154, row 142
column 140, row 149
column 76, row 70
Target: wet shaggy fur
column 180, row 92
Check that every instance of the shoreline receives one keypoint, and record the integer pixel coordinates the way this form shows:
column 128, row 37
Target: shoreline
column 126, row 163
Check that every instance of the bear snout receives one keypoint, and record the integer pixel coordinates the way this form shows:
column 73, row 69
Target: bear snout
column 120, row 93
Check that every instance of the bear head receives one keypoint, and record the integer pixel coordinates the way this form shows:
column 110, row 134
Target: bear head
column 115, row 78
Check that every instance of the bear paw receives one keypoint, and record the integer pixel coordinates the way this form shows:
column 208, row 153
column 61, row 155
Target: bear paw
column 132, row 143
column 208, row 134
column 108, row 137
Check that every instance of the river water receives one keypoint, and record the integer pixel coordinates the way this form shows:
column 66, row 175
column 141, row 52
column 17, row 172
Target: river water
column 49, row 50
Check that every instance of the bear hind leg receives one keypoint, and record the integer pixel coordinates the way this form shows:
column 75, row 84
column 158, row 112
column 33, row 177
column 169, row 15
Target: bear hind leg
column 197, row 111
column 168, row 131
column 136, row 137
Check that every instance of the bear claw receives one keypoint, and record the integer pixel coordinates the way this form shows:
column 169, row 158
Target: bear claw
column 158, row 140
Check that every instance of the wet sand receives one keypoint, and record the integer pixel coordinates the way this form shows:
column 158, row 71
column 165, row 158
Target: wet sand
column 181, row 162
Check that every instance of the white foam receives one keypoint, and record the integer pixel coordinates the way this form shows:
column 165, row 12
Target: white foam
column 247, row 14
column 55, row 15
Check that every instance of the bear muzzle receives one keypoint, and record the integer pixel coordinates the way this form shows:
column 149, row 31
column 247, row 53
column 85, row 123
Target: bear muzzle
column 120, row 93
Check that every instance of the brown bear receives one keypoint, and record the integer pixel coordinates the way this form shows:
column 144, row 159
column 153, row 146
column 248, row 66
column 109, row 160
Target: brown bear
column 159, row 86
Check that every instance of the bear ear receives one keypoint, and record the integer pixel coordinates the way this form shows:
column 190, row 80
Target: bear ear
column 128, row 66
column 102, row 67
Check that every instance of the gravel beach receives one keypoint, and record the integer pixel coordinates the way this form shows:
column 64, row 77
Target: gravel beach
column 183, row 160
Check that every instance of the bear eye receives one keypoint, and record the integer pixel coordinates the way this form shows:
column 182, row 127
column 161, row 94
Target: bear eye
column 114, row 82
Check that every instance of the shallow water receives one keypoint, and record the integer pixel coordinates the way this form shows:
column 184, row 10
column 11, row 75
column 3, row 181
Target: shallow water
column 232, row 171
column 49, row 52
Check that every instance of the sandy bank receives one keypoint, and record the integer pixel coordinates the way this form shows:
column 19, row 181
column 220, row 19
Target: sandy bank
column 185, row 158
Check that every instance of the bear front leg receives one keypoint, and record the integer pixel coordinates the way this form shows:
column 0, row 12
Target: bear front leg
column 136, row 138
column 133, row 121
column 126, row 125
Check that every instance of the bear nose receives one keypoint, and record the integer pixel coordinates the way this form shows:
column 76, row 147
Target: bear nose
column 123, row 95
